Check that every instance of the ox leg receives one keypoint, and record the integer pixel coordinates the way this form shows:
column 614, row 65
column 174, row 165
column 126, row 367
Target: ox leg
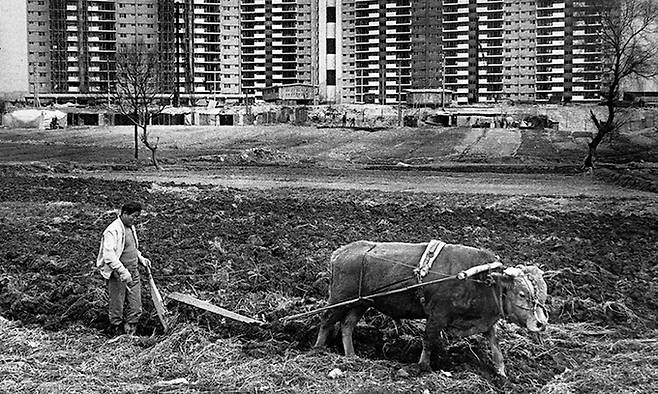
column 496, row 354
column 431, row 340
column 329, row 319
column 347, row 328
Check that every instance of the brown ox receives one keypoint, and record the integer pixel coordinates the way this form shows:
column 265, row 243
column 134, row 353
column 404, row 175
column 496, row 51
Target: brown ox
column 462, row 307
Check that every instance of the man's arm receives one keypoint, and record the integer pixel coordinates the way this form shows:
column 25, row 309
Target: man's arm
column 142, row 260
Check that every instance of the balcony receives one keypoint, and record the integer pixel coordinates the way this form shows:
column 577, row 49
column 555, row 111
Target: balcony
column 554, row 6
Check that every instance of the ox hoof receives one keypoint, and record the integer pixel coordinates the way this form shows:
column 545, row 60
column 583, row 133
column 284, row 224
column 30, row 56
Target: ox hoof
column 501, row 372
column 318, row 350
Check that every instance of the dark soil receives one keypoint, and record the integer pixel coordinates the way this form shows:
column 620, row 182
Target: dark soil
column 264, row 254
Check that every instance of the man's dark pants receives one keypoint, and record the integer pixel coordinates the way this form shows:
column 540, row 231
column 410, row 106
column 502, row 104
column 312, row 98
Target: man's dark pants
column 121, row 293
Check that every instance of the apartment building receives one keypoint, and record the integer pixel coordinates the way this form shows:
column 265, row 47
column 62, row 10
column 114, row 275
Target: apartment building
column 520, row 43
column 207, row 48
column 72, row 43
column 373, row 63
column 484, row 51
column 489, row 49
column 552, row 39
column 520, row 50
column 354, row 51
column 426, row 45
column 585, row 53
column 199, row 48
column 330, row 37
column 457, row 46
column 277, row 37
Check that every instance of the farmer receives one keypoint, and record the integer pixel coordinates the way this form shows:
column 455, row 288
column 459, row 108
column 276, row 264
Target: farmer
column 118, row 260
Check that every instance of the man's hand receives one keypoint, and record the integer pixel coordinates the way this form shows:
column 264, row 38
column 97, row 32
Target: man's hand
column 146, row 262
column 126, row 277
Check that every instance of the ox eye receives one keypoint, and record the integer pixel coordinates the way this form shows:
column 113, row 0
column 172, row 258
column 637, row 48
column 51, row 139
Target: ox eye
column 521, row 294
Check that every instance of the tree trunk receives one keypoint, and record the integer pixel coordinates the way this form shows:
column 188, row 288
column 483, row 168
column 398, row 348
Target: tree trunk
column 594, row 144
column 154, row 159
column 153, row 147
column 602, row 129
column 591, row 156
column 136, row 142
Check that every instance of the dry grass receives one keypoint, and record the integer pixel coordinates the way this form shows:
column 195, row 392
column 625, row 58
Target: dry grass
column 79, row 360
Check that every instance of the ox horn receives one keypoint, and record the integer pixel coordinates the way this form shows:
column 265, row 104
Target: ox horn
column 513, row 272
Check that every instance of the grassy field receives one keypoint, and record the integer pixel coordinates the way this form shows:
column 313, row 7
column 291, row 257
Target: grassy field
column 334, row 147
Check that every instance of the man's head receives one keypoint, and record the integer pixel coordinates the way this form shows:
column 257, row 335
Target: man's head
column 130, row 211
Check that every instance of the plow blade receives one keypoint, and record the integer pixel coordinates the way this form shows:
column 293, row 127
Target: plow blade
column 189, row 300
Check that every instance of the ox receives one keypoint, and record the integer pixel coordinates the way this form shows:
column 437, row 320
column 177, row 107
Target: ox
column 461, row 307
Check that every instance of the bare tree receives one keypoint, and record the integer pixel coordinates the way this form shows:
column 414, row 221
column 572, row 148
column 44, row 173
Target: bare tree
column 629, row 50
column 138, row 92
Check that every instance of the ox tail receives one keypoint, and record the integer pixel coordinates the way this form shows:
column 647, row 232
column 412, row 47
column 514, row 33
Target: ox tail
column 332, row 264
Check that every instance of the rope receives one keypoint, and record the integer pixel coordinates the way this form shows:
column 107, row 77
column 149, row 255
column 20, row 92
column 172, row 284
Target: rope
column 363, row 263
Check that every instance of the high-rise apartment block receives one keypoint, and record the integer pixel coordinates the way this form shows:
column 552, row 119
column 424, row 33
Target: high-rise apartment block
column 276, row 43
column 484, row 51
column 375, row 61
column 354, row 51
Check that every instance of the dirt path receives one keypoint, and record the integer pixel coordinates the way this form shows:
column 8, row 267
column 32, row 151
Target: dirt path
column 396, row 181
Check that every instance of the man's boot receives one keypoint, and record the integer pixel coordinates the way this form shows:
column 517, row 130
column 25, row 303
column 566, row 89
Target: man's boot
column 130, row 329
column 115, row 330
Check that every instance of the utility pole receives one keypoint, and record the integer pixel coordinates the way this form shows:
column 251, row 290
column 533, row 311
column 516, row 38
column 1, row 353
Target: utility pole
column 135, row 19
column 443, row 79
column 37, row 102
column 400, row 120
column 362, row 94
column 246, row 102
column 136, row 114
column 177, row 35
column 108, row 82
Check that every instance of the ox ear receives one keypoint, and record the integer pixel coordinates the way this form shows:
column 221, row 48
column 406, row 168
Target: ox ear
column 532, row 270
column 502, row 277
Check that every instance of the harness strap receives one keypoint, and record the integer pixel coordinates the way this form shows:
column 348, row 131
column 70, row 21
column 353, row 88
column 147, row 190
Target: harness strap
column 431, row 253
column 363, row 263
column 497, row 291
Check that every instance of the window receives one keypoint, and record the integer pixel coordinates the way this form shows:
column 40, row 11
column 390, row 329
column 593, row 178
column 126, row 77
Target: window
column 331, row 46
column 331, row 77
column 331, row 14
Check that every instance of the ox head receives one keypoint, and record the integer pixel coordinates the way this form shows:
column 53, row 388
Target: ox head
column 523, row 296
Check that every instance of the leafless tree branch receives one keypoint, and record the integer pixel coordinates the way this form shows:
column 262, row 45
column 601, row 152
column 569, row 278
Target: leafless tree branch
column 629, row 50
column 138, row 95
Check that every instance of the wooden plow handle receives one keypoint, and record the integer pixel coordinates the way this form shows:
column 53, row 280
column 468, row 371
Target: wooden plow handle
column 478, row 269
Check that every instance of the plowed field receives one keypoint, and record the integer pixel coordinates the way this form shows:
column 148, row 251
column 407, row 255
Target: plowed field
column 262, row 250
column 263, row 253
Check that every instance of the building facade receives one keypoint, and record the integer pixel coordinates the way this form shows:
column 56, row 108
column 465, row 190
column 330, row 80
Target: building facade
column 485, row 51
column 277, row 37
column 354, row 51
column 365, row 51
column 207, row 48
